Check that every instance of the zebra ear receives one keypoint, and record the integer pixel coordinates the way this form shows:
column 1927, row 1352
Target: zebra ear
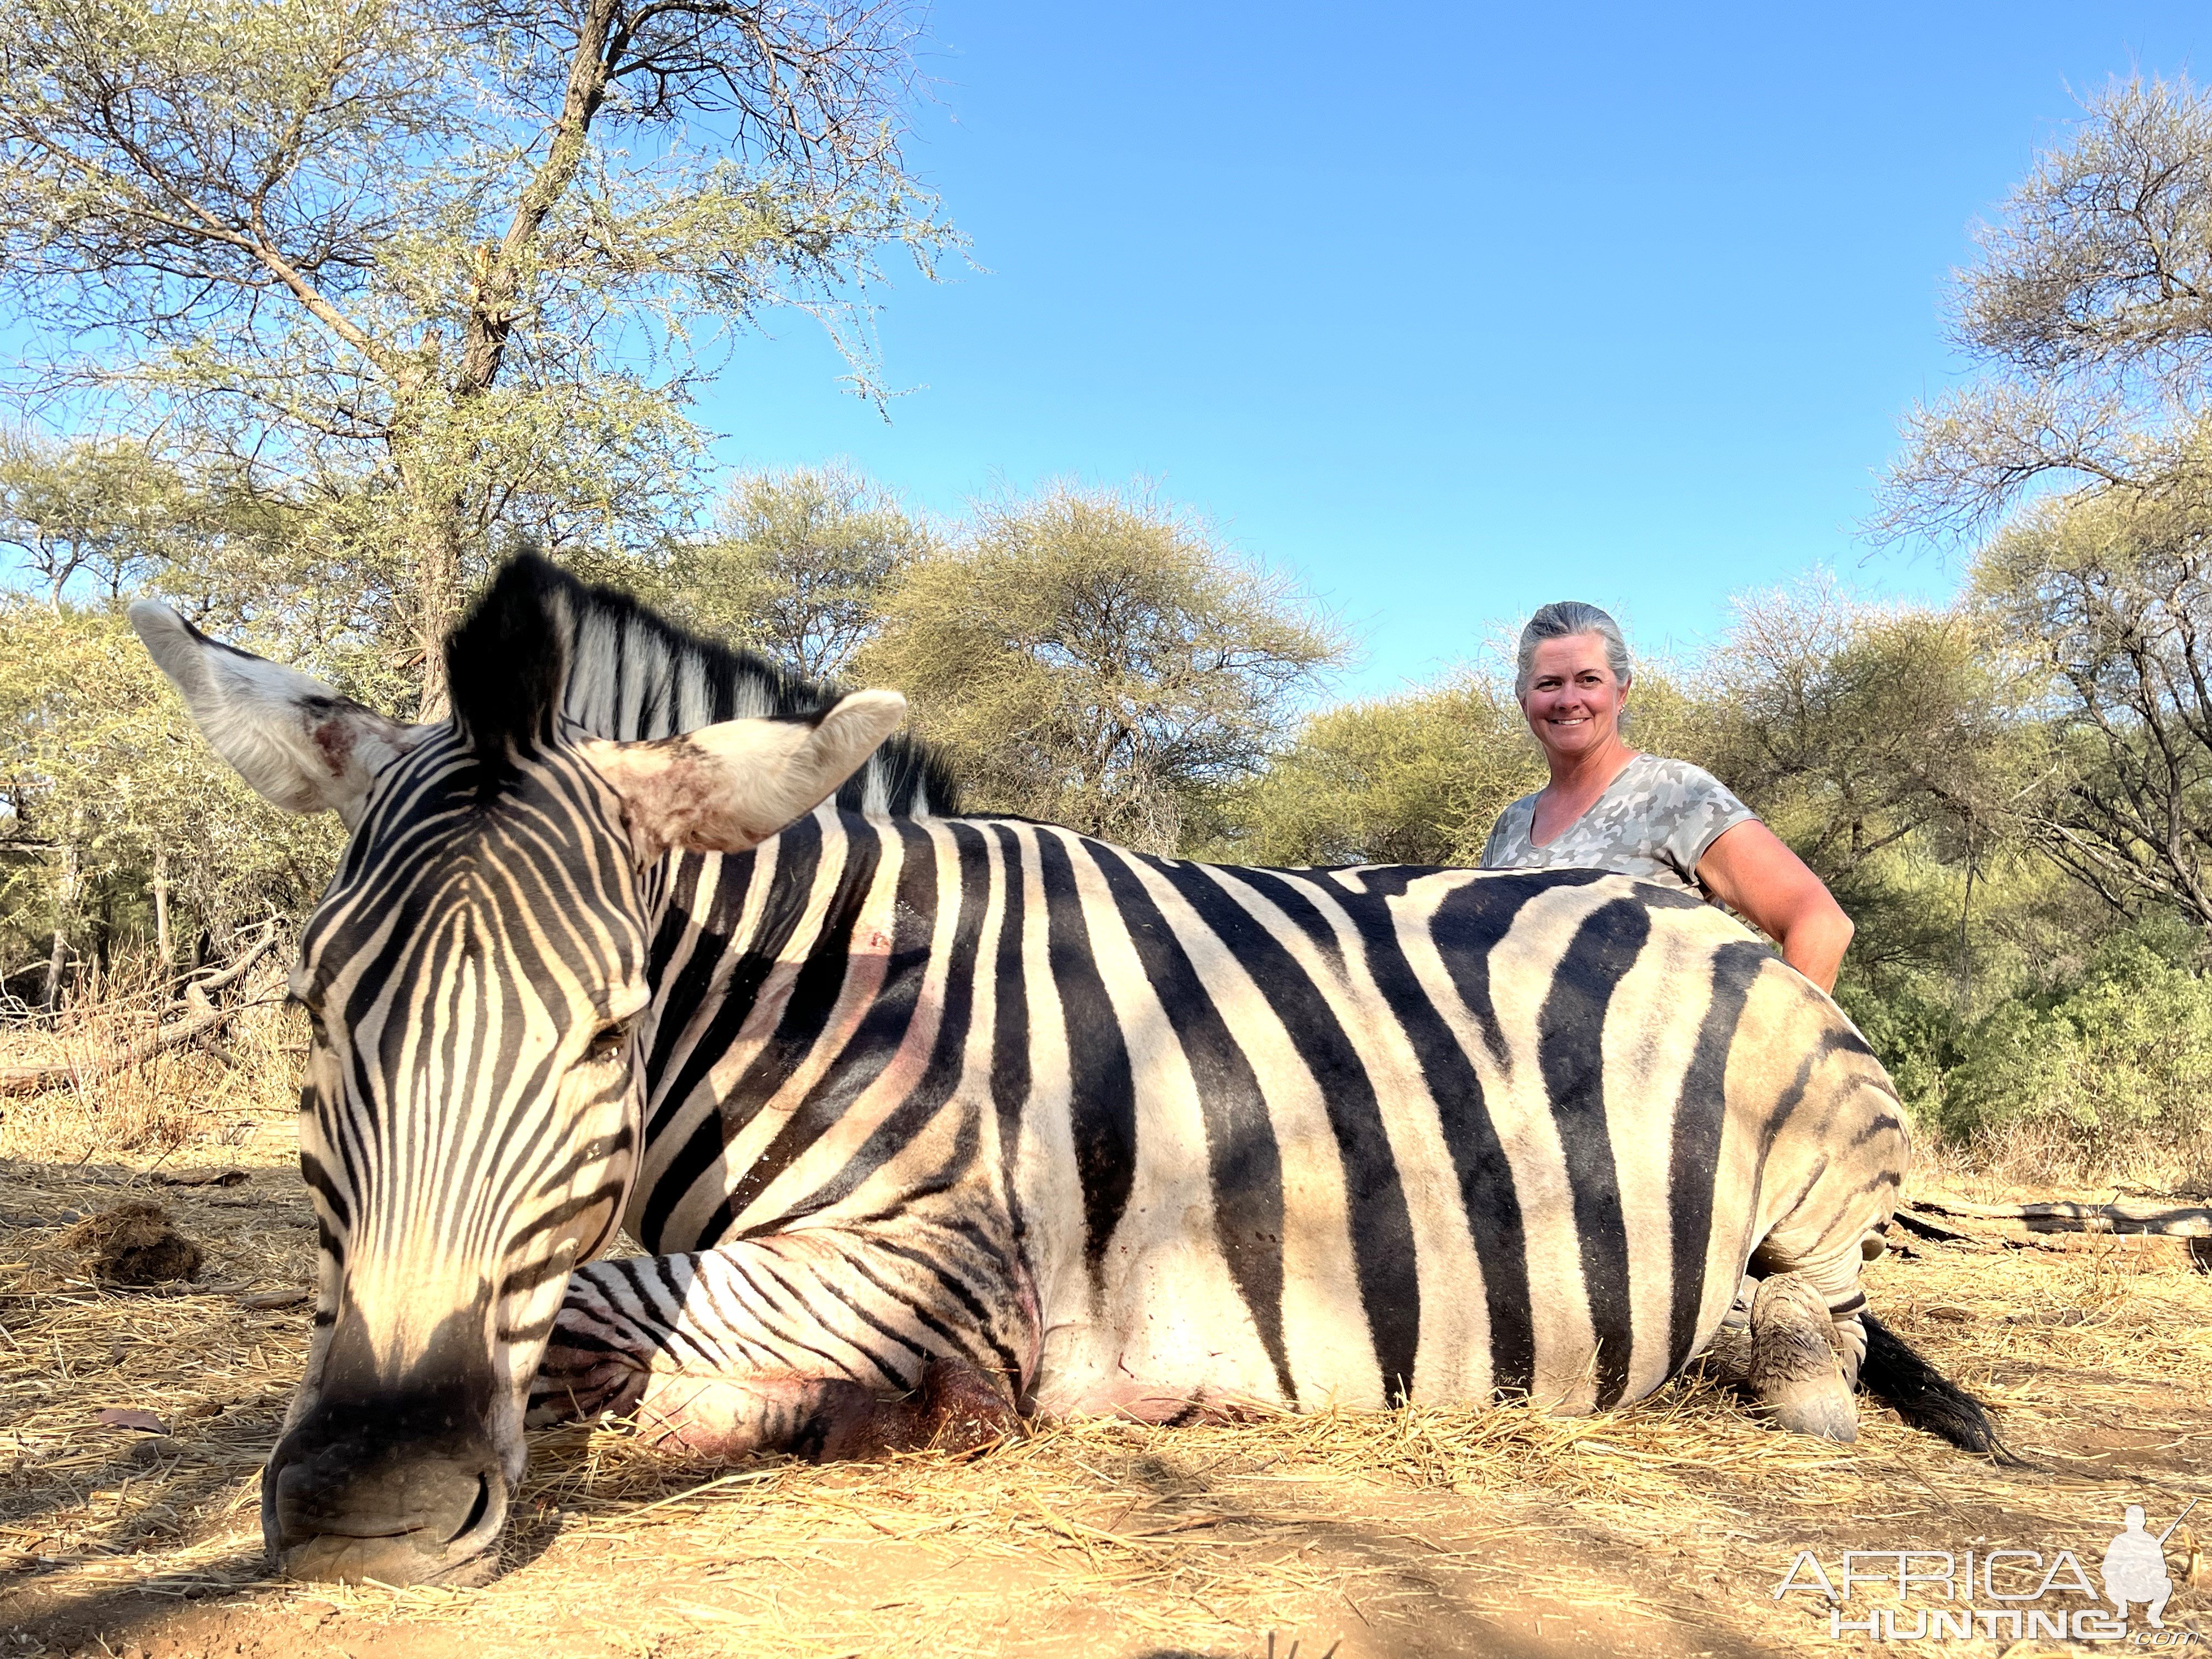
column 300, row 745
column 723, row 788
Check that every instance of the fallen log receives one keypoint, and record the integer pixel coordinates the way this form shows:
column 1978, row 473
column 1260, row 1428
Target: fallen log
column 31, row 1079
column 204, row 982
column 2179, row 1250
column 1925, row 1226
column 2064, row 1216
column 2137, row 1229
column 201, row 1020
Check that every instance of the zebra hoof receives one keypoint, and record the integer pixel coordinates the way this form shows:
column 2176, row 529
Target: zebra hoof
column 1816, row 1408
column 1793, row 1372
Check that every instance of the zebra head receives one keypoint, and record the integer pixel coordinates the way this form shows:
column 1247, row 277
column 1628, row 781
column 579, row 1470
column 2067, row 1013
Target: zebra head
column 471, row 1117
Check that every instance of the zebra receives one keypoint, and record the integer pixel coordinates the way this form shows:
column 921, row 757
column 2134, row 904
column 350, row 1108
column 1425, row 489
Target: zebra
column 928, row 1124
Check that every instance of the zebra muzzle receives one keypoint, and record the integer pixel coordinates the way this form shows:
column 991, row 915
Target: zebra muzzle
column 397, row 1479
column 330, row 1516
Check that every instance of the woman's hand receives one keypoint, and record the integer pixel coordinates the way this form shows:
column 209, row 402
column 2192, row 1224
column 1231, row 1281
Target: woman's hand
column 1752, row 872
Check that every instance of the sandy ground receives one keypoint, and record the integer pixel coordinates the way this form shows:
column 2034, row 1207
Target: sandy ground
column 1661, row 1529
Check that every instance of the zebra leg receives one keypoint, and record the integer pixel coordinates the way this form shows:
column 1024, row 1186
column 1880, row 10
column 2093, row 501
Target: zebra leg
column 956, row 1407
column 771, row 1345
column 1794, row 1370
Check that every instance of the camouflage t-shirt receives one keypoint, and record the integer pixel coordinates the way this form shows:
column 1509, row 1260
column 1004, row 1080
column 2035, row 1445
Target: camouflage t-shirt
column 1654, row 822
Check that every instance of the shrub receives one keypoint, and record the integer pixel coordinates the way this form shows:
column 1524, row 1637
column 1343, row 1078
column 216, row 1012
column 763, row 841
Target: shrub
column 2125, row 1053
column 1912, row 1031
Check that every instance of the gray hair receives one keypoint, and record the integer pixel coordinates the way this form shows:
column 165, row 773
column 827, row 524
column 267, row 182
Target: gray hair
column 1564, row 619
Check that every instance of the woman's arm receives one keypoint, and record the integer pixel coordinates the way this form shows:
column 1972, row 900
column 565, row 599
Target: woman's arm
column 1752, row 872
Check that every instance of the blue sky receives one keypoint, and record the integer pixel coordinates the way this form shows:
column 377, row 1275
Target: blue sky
column 1453, row 310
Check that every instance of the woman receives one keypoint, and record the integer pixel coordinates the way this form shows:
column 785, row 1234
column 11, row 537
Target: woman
column 1608, row 807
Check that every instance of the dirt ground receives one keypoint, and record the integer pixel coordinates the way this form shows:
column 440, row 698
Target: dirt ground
column 1662, row 1529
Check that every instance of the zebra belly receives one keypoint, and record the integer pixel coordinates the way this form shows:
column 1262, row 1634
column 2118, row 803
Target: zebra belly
column 1158, row 1332
column 1175, row 1343
column 1376, row 1175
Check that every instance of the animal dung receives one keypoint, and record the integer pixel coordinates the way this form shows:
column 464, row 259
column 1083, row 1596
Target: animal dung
column 134, row 1244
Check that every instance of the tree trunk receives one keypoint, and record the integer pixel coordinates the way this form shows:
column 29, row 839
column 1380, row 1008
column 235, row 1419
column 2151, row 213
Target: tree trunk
column 64, row 907
column 434, row 538
column 498, row 303
column 437, row 597
column 1965, row 949
column 160, row 886
column 436, row 505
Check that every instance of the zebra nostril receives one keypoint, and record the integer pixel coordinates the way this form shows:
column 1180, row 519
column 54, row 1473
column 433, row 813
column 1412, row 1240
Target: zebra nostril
column 476, row 1510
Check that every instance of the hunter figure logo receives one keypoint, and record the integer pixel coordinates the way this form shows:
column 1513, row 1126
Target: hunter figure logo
column 2012, row 1594
column 2135, row 1567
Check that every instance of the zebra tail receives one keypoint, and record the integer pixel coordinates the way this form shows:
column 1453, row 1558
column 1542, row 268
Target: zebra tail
column 1925, row 1398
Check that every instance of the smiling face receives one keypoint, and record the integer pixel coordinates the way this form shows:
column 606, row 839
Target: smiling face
column 1573, row 701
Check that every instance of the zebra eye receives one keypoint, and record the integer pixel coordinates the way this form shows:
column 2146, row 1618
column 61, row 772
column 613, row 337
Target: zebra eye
column 607, row 1045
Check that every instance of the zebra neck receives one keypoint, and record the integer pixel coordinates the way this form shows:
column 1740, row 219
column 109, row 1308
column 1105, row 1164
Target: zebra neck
column 785, row 981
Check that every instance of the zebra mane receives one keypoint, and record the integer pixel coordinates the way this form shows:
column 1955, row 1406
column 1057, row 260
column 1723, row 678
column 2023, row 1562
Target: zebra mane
column 539, row 645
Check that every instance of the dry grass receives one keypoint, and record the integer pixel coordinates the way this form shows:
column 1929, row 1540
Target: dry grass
column 1663, row 1528
column 2036, row 1159
column 183, row 1095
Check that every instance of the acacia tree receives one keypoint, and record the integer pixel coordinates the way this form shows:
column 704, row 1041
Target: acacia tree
column 92, row 515
column 1858, row 726
column 1417, row 778
column 101, row 782
column 796, row 567
column 2090, row 313
column 452, row 257
column 2113, row 599
column 1885, row 745
column 1100, row 661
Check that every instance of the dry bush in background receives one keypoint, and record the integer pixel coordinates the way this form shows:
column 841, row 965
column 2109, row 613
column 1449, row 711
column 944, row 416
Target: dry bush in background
column 218, row 1090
